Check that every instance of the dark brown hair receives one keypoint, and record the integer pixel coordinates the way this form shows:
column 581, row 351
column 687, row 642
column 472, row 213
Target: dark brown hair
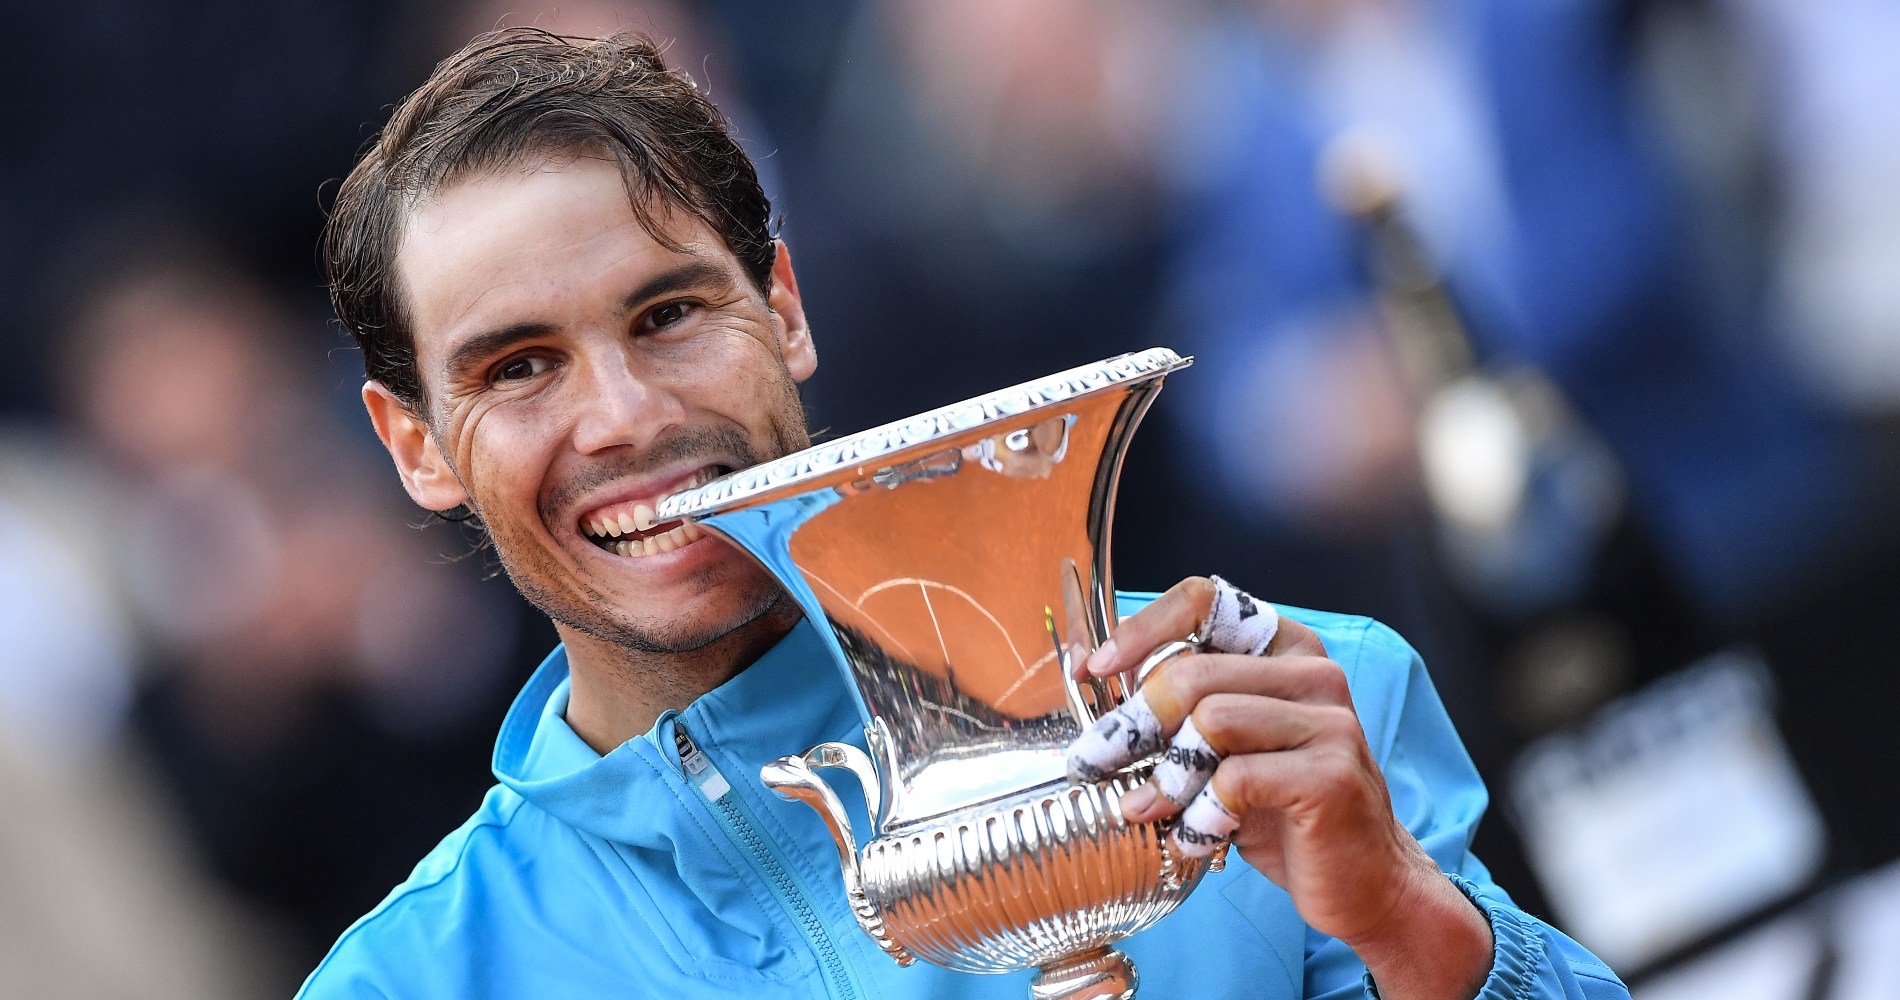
column 519, row 93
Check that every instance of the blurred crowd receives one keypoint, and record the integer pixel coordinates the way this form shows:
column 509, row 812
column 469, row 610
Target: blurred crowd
column 1562, row 336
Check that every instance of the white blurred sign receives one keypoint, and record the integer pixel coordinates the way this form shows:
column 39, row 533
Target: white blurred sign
column 1673, row 812
column 1837, row 947
column 1777, row 962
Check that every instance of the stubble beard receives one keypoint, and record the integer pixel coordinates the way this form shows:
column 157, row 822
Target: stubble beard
column 595, row 614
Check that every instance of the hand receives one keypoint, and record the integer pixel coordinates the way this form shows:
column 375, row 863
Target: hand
column 1313, row 813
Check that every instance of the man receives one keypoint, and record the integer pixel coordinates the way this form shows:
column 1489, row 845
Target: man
column 559, row 267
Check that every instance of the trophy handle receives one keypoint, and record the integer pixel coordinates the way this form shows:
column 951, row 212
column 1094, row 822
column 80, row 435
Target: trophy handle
column 858, row 763
column 793, row 778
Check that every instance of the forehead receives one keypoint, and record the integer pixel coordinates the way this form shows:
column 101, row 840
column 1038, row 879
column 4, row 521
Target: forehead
column 548, row 243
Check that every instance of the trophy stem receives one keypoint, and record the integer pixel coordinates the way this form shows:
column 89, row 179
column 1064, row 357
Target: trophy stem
column 1102, row 974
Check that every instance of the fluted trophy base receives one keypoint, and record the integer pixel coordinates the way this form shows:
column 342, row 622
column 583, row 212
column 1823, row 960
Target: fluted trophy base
column 1032, row 881
column 1103, row 974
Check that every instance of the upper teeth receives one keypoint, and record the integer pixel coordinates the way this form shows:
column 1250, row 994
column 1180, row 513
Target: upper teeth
column 625, row 520
column 665, row 541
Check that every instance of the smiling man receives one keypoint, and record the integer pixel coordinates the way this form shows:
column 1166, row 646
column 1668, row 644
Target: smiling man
column 559, row 267
column 577, row 369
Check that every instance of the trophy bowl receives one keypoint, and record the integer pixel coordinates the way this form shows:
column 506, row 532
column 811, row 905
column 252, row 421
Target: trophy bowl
column 957, row 563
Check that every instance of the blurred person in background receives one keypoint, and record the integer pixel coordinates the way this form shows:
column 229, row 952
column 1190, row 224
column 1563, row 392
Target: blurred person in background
column 1815, row 86
column 101, row 894
column 974, row 192
column 1533, row 181
column 1546, row 196
column 227, row 112
column 967, row 181
column 310, row 679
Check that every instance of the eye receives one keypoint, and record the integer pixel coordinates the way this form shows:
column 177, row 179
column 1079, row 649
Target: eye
column 523, row 367
column 665, row 315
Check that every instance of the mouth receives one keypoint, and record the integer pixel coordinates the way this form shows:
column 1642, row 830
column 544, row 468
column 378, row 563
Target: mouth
column 626, row 528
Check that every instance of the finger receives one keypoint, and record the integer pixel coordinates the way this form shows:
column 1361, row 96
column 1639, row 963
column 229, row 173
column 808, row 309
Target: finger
column 1295, row 638
column 1226, row 618
column 1292, row 780
column 1118, row 739
column 1227, row 724
column 1184, row 770
column 1248, row 781
column 1237, row 623
column 1206, row 825
column 1176, row 689
column 1169, row 617
column 1235, row 724
column 1143, row 725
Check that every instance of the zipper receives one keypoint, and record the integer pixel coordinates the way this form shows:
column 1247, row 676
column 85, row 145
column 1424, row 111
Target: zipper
column 704, row 775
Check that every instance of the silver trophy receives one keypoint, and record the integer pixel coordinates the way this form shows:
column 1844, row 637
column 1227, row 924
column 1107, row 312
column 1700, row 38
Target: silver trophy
column 960, row 561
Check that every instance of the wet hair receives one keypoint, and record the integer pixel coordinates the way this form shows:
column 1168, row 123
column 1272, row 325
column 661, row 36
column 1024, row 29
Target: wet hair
column 507, row 98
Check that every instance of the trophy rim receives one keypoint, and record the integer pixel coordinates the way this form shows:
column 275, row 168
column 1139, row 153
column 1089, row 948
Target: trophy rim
column 802, row 470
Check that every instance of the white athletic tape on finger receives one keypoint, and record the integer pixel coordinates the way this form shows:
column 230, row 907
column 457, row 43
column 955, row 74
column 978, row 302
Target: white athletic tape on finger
column 1205, row 825
column 1187, row 766
column 1237, row 623
column 1117, row 739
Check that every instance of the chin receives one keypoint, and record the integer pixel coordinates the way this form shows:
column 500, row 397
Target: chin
column 695, row 616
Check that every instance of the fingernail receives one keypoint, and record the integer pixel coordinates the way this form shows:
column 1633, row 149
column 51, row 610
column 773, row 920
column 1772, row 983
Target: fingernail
column 1137, row 803
column 1102, row 661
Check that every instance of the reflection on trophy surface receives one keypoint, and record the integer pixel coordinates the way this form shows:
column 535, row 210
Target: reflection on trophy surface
column 960, row 558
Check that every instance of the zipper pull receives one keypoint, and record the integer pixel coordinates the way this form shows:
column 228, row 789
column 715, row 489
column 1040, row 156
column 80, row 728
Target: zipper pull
column 699, row 767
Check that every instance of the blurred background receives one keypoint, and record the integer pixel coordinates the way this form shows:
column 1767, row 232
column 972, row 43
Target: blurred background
column 1563, row 336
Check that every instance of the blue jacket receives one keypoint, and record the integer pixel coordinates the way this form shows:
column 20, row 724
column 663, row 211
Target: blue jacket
column 620, row 876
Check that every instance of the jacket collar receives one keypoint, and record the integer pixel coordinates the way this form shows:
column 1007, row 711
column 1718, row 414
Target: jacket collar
column 787, row 700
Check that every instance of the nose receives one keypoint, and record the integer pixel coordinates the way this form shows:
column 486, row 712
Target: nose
column 619, row 405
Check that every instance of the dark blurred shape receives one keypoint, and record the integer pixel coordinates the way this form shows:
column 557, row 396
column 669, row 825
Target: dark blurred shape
column 229, row 113
column 322, row 691
column 965, row 186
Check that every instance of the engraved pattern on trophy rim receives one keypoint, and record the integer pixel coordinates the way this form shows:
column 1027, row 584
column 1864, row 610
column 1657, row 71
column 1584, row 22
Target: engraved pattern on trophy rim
column 877, row 442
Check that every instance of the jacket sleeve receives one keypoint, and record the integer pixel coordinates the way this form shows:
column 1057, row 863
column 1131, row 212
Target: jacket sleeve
column 1437, row 794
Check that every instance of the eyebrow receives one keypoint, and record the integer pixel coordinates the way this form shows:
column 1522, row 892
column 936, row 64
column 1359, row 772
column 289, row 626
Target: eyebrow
column 468, row 355
column 689, row 274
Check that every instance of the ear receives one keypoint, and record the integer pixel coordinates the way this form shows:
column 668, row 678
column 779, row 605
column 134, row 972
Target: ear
column 788, row 315
column 425, row 472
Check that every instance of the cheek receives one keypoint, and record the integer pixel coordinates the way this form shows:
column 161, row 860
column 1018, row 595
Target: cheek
column 501, row 452
column 738, row 373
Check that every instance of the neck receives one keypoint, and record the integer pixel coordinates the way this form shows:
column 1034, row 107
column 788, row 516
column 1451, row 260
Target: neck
column 616, row 693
